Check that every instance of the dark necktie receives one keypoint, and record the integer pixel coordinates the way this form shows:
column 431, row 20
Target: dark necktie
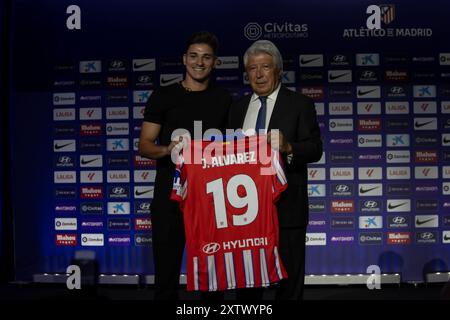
column 261, row 119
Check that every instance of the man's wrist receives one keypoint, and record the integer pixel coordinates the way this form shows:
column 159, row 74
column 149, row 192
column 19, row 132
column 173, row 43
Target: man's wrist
column 166, row 150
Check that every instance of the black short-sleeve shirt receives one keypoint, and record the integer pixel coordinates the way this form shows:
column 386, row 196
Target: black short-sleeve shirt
column 173, row 107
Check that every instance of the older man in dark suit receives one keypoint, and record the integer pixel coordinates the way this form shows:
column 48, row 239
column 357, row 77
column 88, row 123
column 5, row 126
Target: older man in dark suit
column 273, row 106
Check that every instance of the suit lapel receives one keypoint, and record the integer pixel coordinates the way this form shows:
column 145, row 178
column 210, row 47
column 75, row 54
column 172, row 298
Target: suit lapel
column 244, row 108
column 279, row 110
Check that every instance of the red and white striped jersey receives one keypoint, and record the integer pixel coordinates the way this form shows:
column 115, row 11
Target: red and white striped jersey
column 227, row 193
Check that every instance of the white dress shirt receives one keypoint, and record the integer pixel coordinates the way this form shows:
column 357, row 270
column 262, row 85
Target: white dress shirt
column 253, row 109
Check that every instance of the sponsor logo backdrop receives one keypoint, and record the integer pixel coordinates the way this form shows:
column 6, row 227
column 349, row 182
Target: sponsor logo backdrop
column 382, row 98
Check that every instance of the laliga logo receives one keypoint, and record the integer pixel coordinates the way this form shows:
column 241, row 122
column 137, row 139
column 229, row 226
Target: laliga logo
column 252, row 31
column 211, row 248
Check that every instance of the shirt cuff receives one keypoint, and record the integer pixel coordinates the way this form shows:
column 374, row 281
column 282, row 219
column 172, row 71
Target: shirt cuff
column 289, row 158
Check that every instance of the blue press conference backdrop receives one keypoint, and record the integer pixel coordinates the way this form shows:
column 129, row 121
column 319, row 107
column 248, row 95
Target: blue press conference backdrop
column 380, row 194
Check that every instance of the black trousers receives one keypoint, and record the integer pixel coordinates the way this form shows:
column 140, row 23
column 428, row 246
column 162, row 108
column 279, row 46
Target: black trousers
column 168, row 247
column 292, row 252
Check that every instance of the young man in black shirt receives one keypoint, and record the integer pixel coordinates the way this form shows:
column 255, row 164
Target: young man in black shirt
column 177, row 107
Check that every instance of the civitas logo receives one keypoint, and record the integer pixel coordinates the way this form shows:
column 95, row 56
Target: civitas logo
column 316, row 239
column 143, row 240
column 64, row 98
column 274, row 30
column 317, row 206
column 253, row 31
column 368, row 238
column 92, row 239
column 369, row 140
column 229, row 62
column 91, row 208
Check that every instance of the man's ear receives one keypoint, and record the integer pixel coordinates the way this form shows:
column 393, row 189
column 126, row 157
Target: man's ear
column 184, row 59
column 280, row 75
column 215, row 62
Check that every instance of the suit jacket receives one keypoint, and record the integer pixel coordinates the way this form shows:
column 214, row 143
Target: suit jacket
column 294, row 115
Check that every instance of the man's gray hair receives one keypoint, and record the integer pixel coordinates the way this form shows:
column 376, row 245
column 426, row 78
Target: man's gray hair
column 264, row 46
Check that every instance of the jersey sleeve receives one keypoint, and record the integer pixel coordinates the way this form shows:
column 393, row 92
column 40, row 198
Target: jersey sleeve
column 279, row 181
column 179, row 188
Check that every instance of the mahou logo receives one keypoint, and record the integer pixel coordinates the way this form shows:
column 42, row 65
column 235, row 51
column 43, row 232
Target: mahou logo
column 91, row 193
column 315, row 93
column 369, row 125
column 90, row 129
column 426, row 156
column 399, row 238
column 142, row 224
column 66, row 240
column 343, row 206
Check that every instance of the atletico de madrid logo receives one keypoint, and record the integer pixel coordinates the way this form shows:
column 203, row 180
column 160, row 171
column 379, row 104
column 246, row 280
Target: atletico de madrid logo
column 387, row 13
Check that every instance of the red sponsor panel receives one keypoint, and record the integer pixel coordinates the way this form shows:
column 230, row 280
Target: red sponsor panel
column 342, row 206
column 143, row 162
column 369, row 125
column 315, row 93
column 91, row 193
column 94, row 129
column 426, row 156
column 398, row 237
column 66, row 239
column 142, row 224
